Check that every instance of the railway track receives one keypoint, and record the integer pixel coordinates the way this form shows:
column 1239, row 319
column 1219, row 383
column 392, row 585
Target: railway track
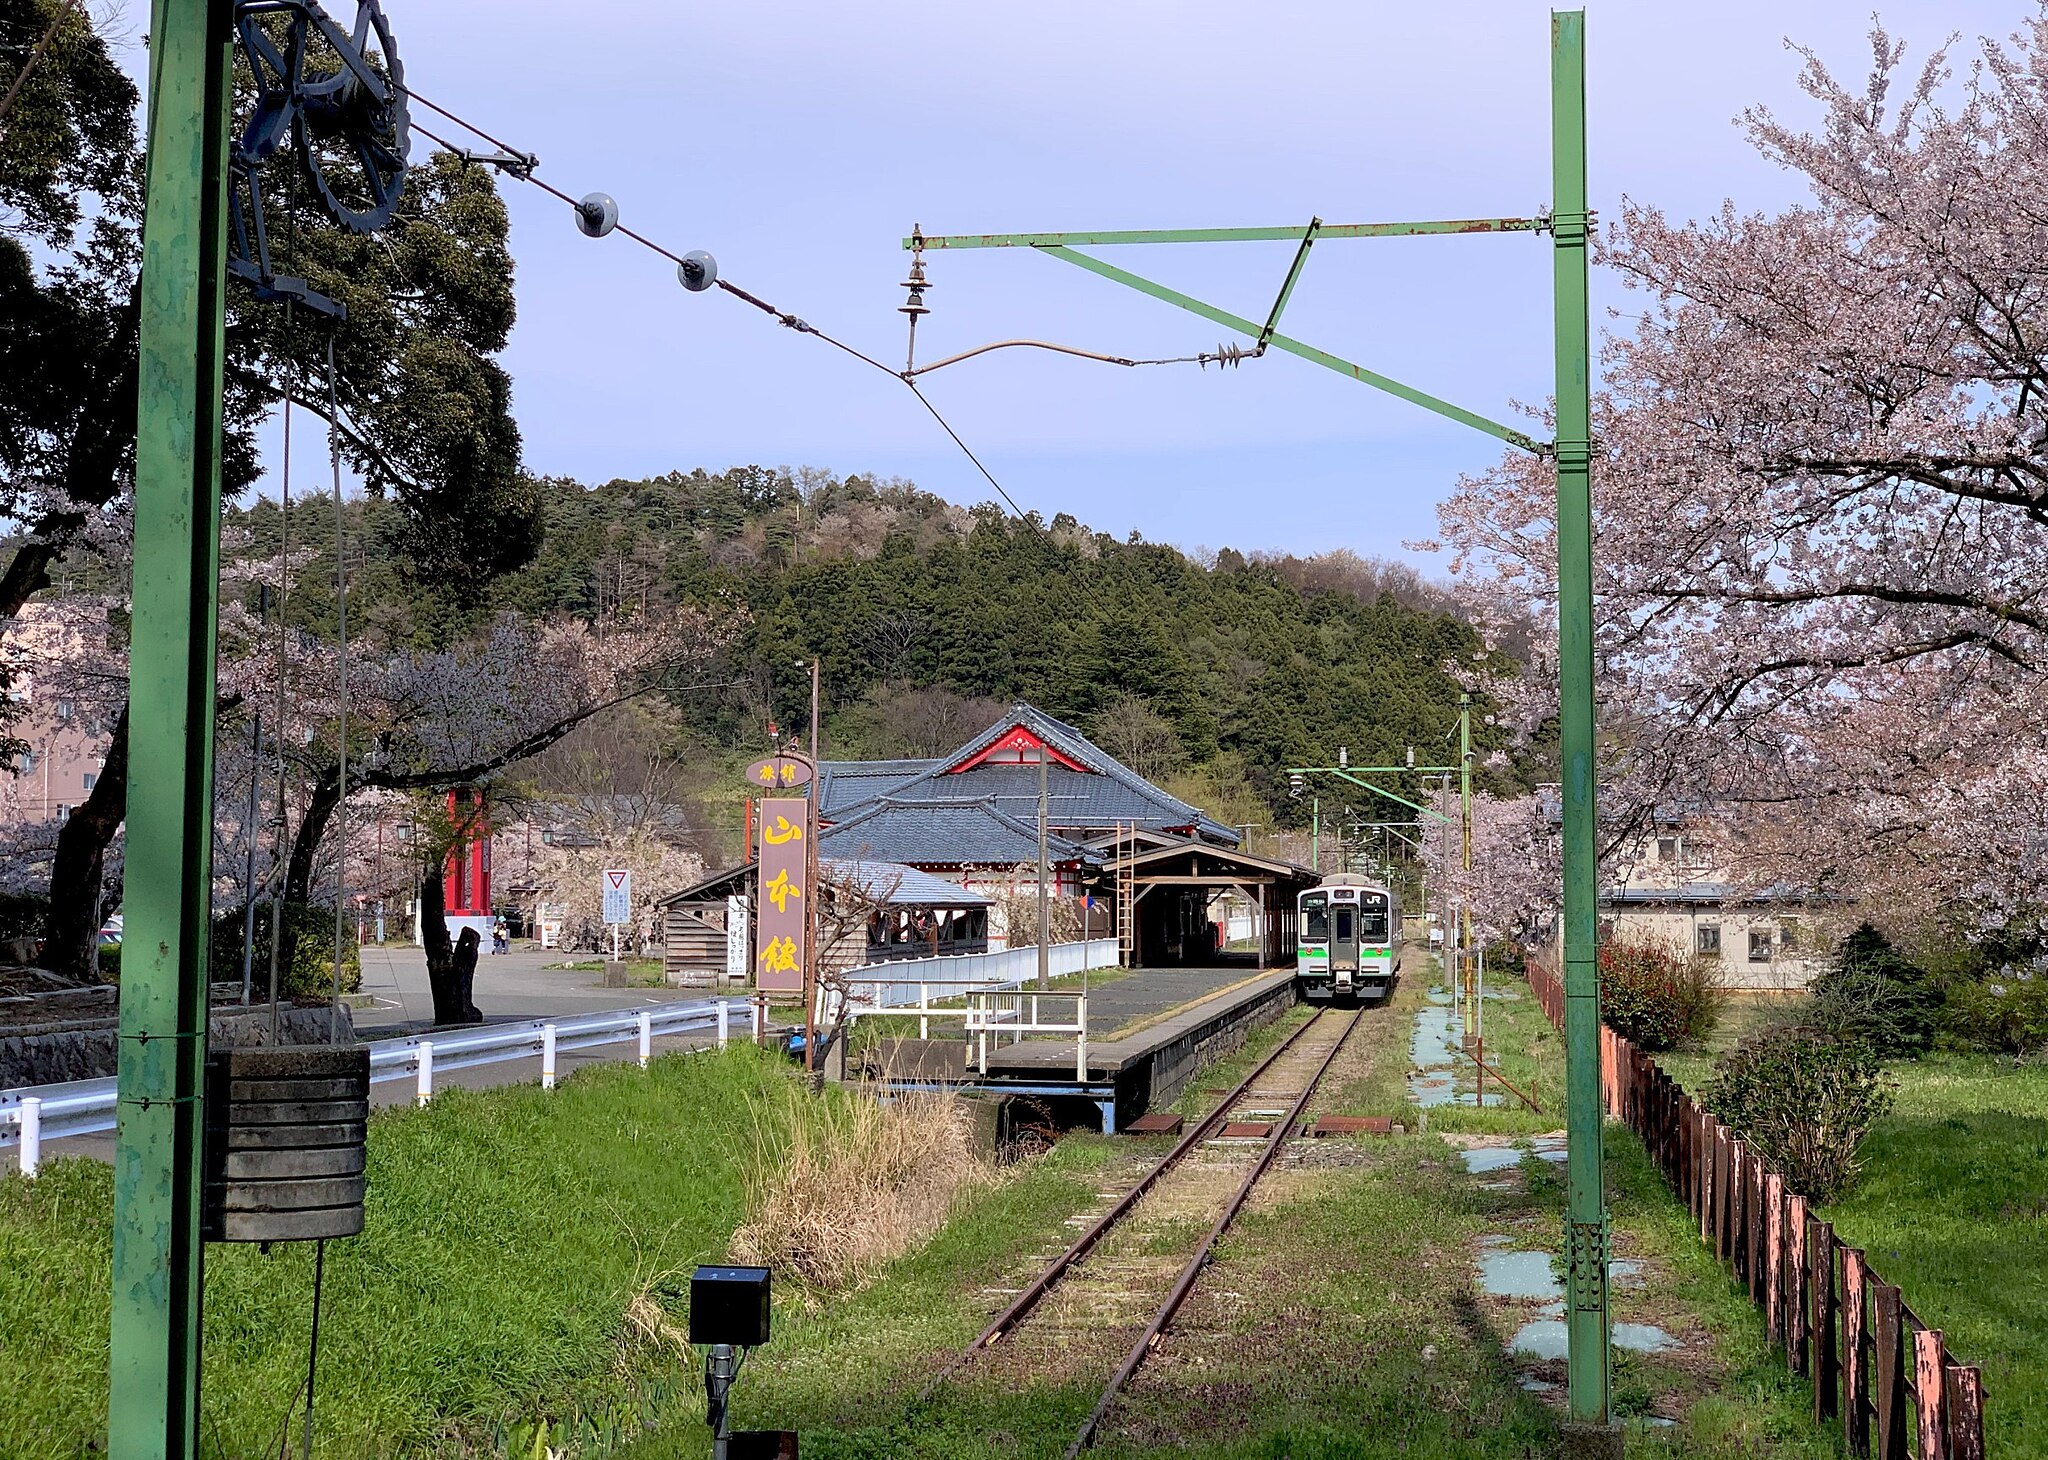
column 1277, row 1091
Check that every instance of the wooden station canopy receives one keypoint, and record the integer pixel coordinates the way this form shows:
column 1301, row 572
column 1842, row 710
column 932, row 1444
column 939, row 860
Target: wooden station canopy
column 1173, row 884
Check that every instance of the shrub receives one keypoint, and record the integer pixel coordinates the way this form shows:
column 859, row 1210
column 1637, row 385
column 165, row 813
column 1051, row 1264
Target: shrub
column 2006, row 1012
column 23, row 914
column 1804, row 1098
column 306, row 968
column 1654, row 998
column 1874, row 994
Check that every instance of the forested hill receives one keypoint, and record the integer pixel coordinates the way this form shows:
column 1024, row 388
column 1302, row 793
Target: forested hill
column 929, row 617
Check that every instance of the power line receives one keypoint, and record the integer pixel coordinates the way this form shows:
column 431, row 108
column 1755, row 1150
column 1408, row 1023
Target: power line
column 523, row 165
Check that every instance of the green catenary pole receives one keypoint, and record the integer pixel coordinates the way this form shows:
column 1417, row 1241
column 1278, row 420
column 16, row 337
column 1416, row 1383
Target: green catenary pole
column 1586, row 1233
column 153, row 1399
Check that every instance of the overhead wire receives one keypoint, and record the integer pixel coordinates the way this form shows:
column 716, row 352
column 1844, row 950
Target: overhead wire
column 523, row 166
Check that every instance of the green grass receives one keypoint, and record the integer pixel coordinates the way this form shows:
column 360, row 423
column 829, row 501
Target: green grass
column 1952, row 1206
column 506, row 1231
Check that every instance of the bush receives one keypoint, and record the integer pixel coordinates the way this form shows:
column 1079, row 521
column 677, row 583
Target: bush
column 23, row 914
column 2006, row 1012
column 306, row 969
column 1804, row 1098
column 1654, row 998
column 1874, row 994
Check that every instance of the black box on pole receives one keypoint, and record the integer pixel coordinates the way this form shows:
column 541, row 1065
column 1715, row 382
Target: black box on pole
column 729, row 1305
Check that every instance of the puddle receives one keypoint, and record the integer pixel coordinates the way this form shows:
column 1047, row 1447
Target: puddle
column 1434, row 1028
column 1439, row 996
column 1481, row 1159
column 1535, row 1385
column 1550, row 1148
column 1544, row 1338
column 1518, row 1275
column 1529, row 1275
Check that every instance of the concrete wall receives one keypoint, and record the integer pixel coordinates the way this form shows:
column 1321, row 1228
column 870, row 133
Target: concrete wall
column 86, row 1049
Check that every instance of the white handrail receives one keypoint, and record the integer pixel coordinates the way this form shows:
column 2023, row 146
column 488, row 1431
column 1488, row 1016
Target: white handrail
column 30, row 1115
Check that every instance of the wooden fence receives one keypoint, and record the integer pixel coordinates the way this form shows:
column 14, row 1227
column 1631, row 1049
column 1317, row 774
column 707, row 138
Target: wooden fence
column 1877, row 1370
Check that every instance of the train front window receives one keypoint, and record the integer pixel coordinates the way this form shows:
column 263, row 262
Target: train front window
column 1372, row 918
column 1315, row 917
column 1344, row 921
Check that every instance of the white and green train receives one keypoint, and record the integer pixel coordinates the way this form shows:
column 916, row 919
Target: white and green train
column 1350, row 932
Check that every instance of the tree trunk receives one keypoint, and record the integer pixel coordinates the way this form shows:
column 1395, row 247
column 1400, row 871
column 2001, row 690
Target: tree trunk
column 451, row 999
column 77, row 872
column 320, row 809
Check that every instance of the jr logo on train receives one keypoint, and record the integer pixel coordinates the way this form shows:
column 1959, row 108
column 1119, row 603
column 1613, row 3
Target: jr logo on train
column 1350, row 929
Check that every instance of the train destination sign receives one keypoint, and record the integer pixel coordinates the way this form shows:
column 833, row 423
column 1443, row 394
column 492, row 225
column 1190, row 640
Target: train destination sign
column 779, row 772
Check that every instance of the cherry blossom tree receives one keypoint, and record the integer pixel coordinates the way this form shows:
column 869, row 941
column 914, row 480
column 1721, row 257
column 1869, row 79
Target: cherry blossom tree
column 1822, row 498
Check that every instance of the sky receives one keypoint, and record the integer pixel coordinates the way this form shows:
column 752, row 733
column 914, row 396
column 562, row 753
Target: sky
column 799, row 143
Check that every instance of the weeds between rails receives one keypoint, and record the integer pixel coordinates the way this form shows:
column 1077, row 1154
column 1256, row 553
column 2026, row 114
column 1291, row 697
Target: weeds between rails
column 1035, row 1293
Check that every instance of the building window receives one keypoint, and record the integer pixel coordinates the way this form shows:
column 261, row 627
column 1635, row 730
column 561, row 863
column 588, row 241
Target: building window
column 1759, row 945
column 1708, row 940
column 26, row 762
column 64, row 709
column 63, row 811
column 91, row 780
column 1667, row 850
column 1788, row 935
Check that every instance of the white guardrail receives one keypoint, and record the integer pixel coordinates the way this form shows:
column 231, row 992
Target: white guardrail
column 31, row 1115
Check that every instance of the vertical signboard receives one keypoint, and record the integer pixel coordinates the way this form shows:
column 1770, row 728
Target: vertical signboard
column 784, row 885
column 736, row 939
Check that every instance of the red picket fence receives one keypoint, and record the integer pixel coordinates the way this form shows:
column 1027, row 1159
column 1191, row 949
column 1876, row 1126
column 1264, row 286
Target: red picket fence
column 1885, row 1376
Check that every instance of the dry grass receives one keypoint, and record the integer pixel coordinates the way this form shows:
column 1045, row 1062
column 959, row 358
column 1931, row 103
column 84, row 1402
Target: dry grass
column 857, row 1184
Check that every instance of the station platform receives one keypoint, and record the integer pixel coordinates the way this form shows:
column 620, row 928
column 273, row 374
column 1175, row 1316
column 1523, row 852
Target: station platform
column 1149, row 1032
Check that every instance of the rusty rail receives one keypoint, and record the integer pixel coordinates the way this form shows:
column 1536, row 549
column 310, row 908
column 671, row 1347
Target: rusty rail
column 1877, row 1370
column 1156, row 1330
column 1035, row 1293
column 1526, row 1100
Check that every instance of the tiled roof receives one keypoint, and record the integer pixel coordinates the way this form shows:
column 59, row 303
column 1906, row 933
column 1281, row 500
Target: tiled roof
column 1700, row 893
column 1077, row 799
column 845, row 784
column 896, row 885
column 943, row 831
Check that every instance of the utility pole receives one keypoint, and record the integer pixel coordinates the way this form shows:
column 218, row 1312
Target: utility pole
column 1586, row 1229
column 1465, row 827
column 153, row 1394
column 1315, row 834
column 1044, row 904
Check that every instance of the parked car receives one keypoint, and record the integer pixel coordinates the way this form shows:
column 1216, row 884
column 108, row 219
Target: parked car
column 110, row 932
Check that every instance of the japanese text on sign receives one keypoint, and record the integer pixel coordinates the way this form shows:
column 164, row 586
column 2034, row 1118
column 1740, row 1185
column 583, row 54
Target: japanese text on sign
column 784, row 869
column 618, row 895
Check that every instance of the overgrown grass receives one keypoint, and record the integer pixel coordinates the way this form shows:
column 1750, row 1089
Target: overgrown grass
column 507, row 1231
column 1953, row 1207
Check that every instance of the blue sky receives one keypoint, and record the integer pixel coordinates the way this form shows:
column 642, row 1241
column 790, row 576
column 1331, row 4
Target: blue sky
column 800, row 141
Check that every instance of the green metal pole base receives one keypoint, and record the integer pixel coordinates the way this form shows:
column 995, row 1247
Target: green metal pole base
column 1579, row 1441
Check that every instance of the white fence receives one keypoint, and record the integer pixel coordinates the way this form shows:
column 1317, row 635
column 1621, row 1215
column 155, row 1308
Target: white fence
column 955, row 975
column 32, row 1115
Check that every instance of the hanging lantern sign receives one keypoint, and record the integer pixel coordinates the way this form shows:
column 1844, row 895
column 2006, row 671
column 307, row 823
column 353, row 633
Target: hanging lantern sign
column 779, row 772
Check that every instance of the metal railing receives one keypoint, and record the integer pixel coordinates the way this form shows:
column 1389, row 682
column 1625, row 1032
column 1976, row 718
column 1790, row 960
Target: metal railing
column 37, row 1113
column 955, row 975
column 987, row 1012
